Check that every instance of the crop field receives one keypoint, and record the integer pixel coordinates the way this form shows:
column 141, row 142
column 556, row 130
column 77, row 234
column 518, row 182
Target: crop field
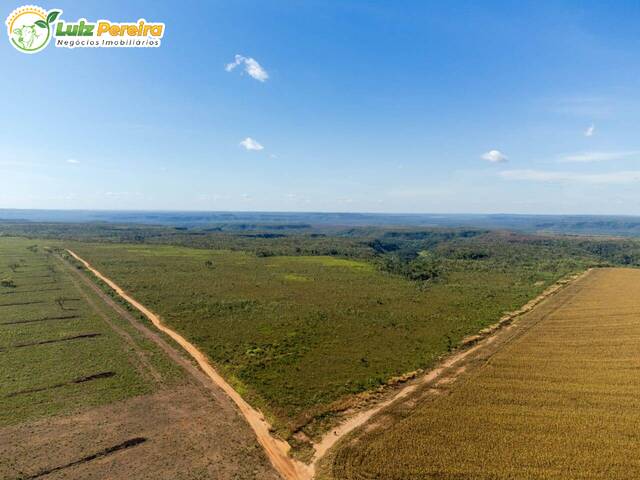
column 297, row 335
column 557, row 400
column 79, row 383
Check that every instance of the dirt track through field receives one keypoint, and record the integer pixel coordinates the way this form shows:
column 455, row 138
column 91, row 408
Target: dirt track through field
column 276, row 449
column 556, row 397
column 153, row 336
column 143, row 365
column 479, row 342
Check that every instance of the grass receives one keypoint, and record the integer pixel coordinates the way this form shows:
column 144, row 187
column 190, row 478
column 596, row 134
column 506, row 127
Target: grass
column 45, row 305
column 558, row 402
column 299, row 334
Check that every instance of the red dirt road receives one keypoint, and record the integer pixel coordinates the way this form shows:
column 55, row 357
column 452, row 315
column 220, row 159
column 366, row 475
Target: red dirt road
column 276, row 449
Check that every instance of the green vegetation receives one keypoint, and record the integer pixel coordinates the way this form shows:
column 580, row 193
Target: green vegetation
column 57, row 353
column 558, row 402
column 298, row 335
column 301, row 319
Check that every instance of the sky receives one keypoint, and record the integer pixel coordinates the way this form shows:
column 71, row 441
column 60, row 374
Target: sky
column 373, row 106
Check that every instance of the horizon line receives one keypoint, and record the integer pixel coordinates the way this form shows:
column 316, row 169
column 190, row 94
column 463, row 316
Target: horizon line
column 318, row 212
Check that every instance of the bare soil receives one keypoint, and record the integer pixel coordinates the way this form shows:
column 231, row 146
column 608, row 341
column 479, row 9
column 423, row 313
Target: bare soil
column 187, row 435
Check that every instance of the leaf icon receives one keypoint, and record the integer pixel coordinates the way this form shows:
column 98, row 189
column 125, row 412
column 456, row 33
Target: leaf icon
column 41, row 23
column 52, row 16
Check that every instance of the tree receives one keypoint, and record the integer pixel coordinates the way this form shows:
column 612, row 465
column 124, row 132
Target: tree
column 423, row 269
column 60, row 301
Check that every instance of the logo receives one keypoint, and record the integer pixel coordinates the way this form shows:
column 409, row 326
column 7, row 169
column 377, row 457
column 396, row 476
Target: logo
column 31, row 28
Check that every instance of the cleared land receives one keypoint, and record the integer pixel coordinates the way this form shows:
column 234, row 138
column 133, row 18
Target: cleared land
column 58, row 354
column 297, row 335
column 556, row 397
column 87, row 391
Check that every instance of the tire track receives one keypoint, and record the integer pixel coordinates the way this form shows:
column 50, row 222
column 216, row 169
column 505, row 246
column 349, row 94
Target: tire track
column 143, row 364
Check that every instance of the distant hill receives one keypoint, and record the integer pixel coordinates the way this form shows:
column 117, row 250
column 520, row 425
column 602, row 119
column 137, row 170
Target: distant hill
column 564, row 224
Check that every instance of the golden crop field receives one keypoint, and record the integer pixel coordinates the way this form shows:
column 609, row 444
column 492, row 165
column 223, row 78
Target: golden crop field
column 559, row 399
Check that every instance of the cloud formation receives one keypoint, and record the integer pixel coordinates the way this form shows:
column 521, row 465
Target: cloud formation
column 588, row 157
column 251, row 67
column 494, row 156
column 619, row 177
column 250, row 144
column 73, row 161
column 591, row 129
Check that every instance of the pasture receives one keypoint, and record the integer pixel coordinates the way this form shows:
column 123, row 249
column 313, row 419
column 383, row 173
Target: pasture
column 556, row 399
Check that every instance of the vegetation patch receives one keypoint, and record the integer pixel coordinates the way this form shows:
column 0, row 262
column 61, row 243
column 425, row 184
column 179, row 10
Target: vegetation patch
column 292, row 277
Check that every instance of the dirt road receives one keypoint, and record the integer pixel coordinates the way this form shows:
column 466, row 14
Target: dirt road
column 276, row 449
column 554, row 395
column 479, row 342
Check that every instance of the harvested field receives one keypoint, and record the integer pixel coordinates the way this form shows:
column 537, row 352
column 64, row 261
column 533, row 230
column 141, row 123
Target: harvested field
column 555, row 397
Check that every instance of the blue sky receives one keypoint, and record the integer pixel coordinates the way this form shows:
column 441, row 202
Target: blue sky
column 375, row 106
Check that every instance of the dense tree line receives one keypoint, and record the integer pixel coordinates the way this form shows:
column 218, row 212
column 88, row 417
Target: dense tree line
column 420, row 254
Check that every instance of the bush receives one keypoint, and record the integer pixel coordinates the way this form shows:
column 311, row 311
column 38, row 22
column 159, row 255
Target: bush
column 423, row 269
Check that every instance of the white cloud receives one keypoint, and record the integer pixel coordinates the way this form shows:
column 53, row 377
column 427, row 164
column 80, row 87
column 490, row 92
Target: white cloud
column 494, row 156
column 591, row 129
column 73, row 161
column 588, row 157
column 250, row 144
column 251, row 67
column 628, row 176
